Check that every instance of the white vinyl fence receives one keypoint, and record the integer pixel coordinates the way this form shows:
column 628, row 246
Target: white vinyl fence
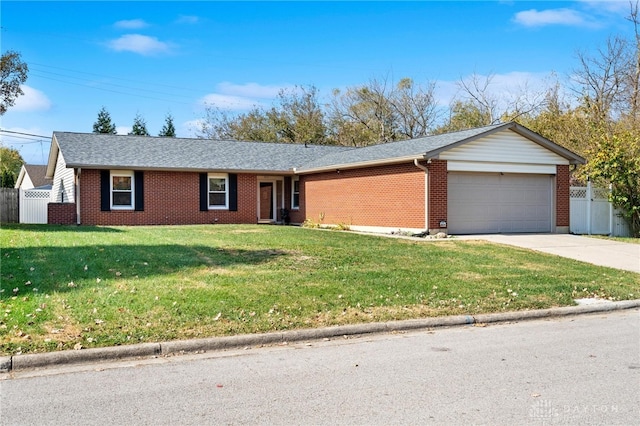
column 592, row 213
column 33, row 205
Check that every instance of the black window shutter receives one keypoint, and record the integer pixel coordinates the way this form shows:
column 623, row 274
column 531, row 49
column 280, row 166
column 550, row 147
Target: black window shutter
column 138, row 181
column 233, row 192
column 204, row 192
column 105, row 190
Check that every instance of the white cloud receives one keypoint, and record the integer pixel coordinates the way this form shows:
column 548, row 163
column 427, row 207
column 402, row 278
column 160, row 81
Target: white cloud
column 501, row 86
column 123, row 130
column 187, row 19
column 131, row 24
column 193, row 127
column 240, row 96
column 228, row 101
column 138, row 43
column 251, row 90
column 536, row 18
column 32, row 100
column 610, row 6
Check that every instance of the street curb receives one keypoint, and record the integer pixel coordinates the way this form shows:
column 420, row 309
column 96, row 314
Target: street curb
column 31, row 361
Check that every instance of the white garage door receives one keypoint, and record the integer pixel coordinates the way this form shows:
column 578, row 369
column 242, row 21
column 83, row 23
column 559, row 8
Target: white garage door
column 491, row 203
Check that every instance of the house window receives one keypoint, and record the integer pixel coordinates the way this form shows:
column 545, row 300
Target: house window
column 295, row 193
column 122, row 190
column 218, row 191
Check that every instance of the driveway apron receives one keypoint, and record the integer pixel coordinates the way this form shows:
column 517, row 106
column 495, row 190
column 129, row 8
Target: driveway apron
column 614, row 254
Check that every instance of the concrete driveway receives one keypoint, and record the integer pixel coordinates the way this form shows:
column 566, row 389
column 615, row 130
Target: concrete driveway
column 598, row 251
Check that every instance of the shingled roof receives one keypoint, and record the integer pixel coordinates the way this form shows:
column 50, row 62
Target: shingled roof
column 37, row 175
column 103, row 151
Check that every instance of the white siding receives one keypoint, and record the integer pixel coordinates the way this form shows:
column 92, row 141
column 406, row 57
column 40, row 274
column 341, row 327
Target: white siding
column 63, row 183
column 26, row 182
column 475, row 166
column 503, row 147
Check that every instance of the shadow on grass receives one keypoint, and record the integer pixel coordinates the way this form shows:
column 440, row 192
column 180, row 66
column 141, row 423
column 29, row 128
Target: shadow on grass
column 57, row 228
column 52, row 269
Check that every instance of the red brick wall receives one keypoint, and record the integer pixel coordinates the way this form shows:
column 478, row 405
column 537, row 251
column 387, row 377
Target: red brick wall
column 562, row 195
column 61, row 213
column 170, row 198
column 437, row 192
column 390, row 196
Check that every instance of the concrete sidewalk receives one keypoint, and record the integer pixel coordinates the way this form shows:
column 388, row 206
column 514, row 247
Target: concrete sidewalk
column 598, row 251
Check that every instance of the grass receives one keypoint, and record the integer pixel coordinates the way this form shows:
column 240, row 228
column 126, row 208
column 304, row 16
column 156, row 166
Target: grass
column 71, row 287
column 629, row 240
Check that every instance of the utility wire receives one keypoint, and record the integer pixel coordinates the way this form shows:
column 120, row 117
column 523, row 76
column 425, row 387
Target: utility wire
column 98, row 84
column 22, row 133
column 114, row 91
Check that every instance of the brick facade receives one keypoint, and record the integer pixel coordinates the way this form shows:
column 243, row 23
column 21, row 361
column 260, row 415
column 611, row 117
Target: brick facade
column 437, row 193
column 384, row 196
column 61, row 213
column 170, row 198
column 562, row 196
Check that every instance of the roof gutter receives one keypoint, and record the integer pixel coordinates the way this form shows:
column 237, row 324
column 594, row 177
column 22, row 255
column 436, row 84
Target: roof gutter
column 420, row 166
column 178, row 169
column 361, row 164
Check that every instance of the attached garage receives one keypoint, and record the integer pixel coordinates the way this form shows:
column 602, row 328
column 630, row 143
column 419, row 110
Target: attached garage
column 489, row 203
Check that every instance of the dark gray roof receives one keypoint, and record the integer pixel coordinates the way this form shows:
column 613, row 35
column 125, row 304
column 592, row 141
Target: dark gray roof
column 37, row 175
column 411, row 148
column 91, row 150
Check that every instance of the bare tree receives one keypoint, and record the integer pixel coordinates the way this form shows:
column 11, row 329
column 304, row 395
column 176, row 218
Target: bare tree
column 475, row 90
column 380, row 111
column 634, row 84
column 481, row 102
column 415, row 108
column 603, row 79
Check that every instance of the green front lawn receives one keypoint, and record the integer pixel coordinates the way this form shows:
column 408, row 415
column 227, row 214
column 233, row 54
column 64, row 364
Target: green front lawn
column 629, row 240
column 66, row 287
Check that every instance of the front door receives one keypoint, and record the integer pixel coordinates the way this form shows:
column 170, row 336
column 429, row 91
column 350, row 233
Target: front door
column 265, row 199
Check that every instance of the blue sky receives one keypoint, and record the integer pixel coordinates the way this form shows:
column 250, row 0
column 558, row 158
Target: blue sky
column 152, row 58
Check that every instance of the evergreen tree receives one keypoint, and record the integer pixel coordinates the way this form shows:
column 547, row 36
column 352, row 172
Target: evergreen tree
column 168, row 130
column 104, row 124
column 139, row 126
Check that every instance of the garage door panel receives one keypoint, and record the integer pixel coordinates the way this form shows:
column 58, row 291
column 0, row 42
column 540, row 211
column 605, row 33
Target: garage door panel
column 495, row 203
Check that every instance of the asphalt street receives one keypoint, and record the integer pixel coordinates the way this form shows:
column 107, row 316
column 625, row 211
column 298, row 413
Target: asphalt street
column 575, row 370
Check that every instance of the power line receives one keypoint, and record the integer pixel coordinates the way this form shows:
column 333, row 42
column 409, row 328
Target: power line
column 114, row 91
column 112, row 77
column 22, row 133
column 96, row 85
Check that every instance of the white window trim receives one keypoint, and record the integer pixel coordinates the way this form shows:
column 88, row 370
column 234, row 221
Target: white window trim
column 295, row 179
column 127, row 173
column 224, row 176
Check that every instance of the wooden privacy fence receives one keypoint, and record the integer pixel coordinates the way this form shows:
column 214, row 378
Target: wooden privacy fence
column 9, row 205
column 593, row 214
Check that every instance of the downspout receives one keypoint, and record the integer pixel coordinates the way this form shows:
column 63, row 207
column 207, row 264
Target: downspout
column 426, row 192
column 78, row 171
